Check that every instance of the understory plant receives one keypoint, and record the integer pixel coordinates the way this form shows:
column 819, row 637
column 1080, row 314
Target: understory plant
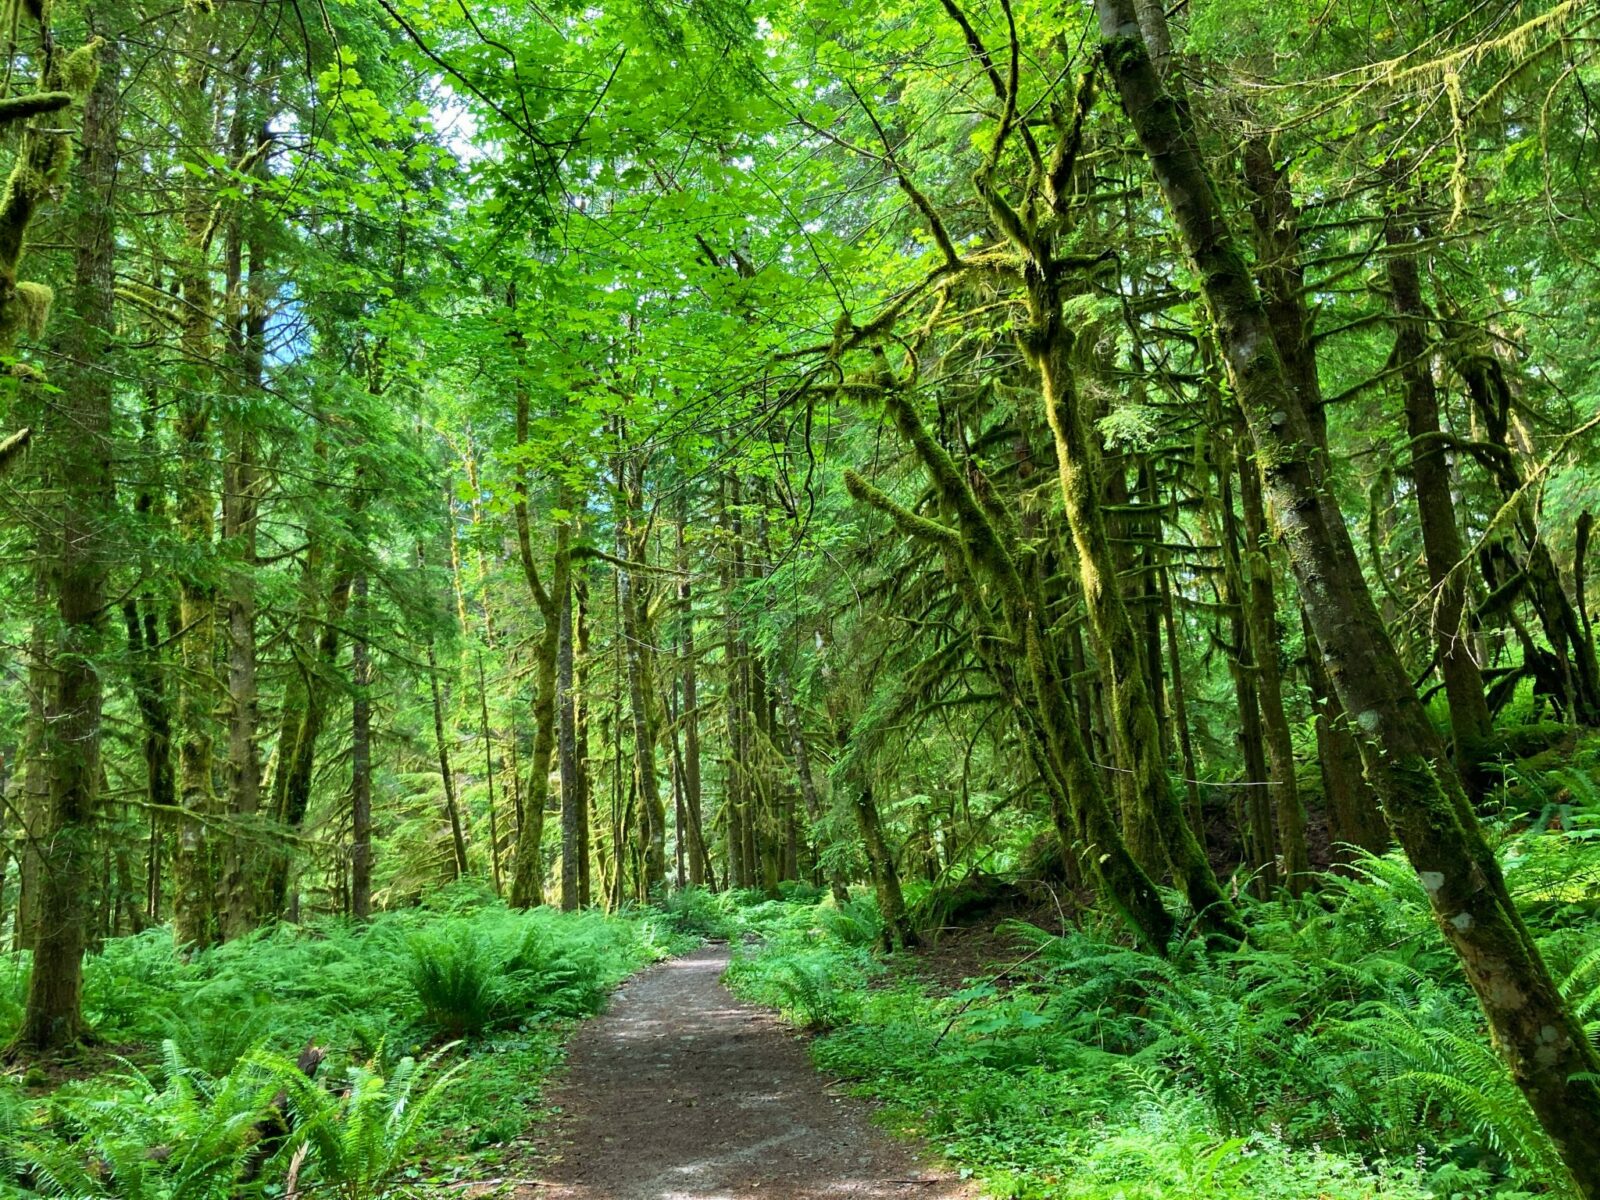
column 1337, row 1055
column 209, row 1096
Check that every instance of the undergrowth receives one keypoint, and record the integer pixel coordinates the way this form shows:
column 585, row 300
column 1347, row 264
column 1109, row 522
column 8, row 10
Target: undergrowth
column 1340, row 1056
column 437, row 1025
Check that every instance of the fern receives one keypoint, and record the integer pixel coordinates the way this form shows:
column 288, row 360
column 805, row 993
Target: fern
column 1435, row 1053
column 360, row 1138
column 455, row 981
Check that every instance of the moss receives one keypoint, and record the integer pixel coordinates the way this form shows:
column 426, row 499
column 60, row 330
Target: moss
column 81, row 68
column 27, row 309
column 11, row 447
column 1122, row 54
column 33, row 300
column 20, row 108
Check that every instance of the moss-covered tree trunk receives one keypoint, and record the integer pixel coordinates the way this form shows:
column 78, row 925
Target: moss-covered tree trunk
column 1548, row 1052
column 1275, row 222
column 247, row 321
column 582, row 703
column 632, row 609
column 1047, row 344
column 78, row 440
column 737, row 784
column 360, row 753
column 195, row 917
column 527, row 875
column 810, row 794
column 447, row 775
column 572, row 845
column 1133, row 715
column 304, row 717
column 979, row 549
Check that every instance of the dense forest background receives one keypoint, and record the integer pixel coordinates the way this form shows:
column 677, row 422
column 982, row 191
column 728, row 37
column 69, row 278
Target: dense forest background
column 1146, row 457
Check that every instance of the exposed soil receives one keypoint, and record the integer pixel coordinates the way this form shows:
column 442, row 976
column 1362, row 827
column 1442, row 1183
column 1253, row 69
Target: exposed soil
column 680, row 1092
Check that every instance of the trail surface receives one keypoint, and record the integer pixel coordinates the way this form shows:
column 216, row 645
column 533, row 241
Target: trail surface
column 680, row 1092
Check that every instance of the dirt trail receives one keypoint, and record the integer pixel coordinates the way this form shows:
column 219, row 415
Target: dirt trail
column 680, row 1092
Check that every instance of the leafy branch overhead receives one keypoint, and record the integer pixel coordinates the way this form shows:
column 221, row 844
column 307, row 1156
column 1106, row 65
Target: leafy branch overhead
column 488, row 493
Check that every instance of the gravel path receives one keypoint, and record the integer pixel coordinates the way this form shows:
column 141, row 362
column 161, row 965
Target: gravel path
column 680, row 1092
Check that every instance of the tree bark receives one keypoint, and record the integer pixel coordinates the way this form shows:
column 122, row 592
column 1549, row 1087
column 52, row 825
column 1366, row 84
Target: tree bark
column 688, row 671
column 809, row 792
column 292, row 776
column 441, row 744
column 1047, row 344
column 527, row 875
column 1540, row 579
column 239, row 510
column 635, row 652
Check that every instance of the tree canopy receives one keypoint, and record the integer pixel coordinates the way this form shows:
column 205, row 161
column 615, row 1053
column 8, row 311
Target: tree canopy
column 614, row 451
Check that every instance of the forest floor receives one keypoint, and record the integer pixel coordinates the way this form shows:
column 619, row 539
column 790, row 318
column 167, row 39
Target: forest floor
column 681, row 1092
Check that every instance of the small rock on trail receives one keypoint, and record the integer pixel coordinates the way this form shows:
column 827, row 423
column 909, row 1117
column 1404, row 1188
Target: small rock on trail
column 680, row 1092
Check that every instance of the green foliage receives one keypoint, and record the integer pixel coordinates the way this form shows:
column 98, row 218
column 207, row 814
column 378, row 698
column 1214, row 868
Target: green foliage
column 456, row 981
column 1337, row 1055
column 856, row 923
column 698, row 912
column 169, row 1132
column 214, row 1041
column 178, row 1133
column 808, row 972
column 361, row 1134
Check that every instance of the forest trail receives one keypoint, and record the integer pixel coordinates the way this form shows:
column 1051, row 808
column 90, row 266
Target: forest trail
column 681, row 1092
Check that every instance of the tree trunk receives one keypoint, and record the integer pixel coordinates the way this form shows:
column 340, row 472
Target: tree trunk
column 1253, row 802
column 898, row 931
column 487, row 735
column 581, row 706
column 699, row 854
column 1539, row 577
column 1548, row 1052
column 292, row 776
column 361, row 756
column 652, row 813
column 1430, row 476
column 458, row 840
column 1261, row 615
column 527, row 876
column 977, row 556
column 733, row 699
column 808, row 783
column 1135, row 729
column 572, row 843
column 35, row 761
column 239, row 509
column 79, row 570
